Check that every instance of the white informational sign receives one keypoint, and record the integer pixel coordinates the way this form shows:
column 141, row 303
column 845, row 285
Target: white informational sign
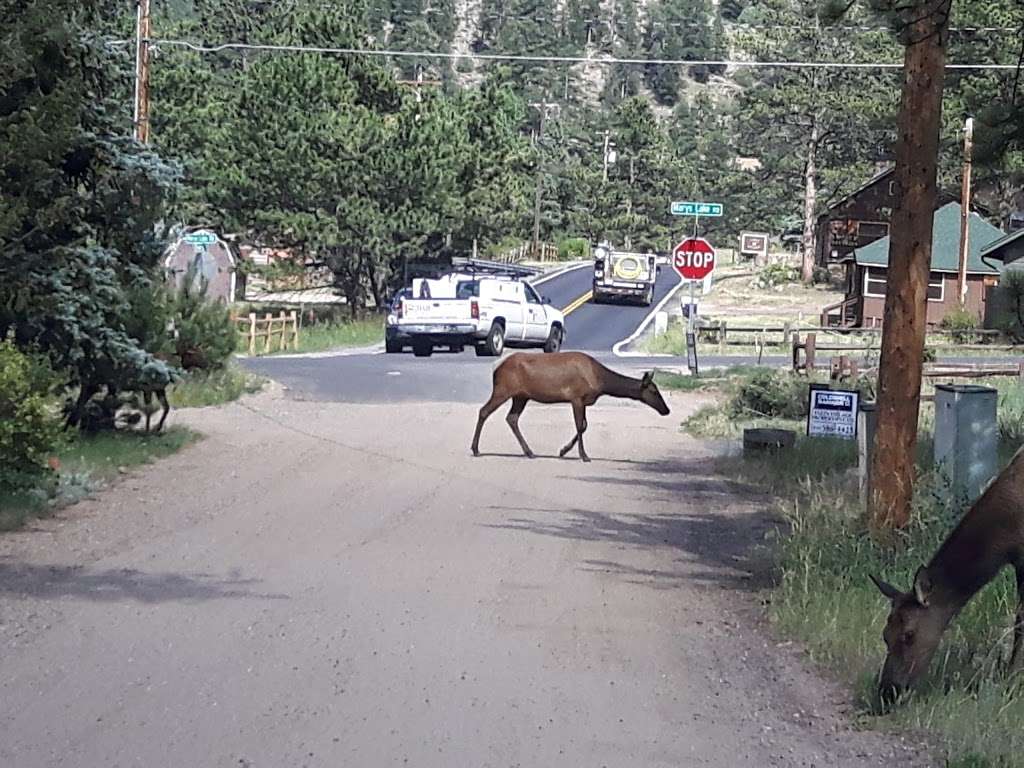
column 832, row 413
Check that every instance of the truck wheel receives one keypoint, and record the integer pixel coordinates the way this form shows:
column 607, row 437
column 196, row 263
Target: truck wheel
column 392, row 346
column 649, row 297
column 422, row 349
column 495, row 343
column 554, row 342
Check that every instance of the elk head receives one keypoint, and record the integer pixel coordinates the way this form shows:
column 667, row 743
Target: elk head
column 911, row 634
column 651, row 395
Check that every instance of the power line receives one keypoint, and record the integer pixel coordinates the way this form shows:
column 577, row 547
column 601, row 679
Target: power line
column 599, row 61
column 391, row 13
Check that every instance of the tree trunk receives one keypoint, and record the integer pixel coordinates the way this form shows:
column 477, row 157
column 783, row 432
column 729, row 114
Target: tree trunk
column 910, row 249
column 810, row 202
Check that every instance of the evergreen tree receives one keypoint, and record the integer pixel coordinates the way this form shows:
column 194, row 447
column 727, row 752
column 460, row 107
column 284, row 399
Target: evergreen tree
column 82, row 204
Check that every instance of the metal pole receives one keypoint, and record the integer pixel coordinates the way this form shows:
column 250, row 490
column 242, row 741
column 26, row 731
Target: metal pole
column 965, row 213
column 692, row 323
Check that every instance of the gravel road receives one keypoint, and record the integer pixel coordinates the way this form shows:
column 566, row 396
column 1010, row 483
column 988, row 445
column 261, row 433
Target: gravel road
column 332, row 584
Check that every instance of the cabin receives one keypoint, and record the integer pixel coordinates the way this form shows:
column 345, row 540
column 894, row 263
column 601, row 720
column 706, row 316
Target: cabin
column 860, row 218
column 867, row 268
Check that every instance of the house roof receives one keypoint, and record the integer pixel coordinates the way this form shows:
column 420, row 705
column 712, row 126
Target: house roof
column 866, row 185
column 945, row 244
column 997, row 245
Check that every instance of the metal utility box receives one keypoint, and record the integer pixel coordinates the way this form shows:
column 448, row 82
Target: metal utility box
column 966, row 438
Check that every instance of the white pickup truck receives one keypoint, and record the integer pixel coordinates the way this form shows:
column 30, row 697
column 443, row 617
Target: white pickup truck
column 487, row 312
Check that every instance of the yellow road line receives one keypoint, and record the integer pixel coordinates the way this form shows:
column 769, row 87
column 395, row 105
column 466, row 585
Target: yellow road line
column 572, row 307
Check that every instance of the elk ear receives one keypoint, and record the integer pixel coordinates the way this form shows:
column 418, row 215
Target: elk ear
column 887, row 589
column 648, row 379
column 922, row 586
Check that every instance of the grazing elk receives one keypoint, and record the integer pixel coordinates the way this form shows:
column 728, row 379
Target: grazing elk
column 561, row 377
column 989, row 537
column 149, row 377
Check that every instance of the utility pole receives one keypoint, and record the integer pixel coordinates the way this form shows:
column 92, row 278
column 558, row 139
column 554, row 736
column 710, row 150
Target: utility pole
column 143, row 29
column 542, row 107
column 418, row 83
column 608, row 145
column 910, row 251
column 965, row 212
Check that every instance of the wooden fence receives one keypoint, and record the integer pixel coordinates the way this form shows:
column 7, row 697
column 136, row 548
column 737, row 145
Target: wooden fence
column 277, row 333
column 524, row 252
column 839, row 340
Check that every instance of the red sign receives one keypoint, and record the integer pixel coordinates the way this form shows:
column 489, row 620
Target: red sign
column 694, row 258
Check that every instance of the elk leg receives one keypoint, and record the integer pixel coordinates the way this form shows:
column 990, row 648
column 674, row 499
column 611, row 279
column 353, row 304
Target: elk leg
column 579, row 410
column 147, row 400
column 568, row 447
column 488, row 408
column 518, row 404
column 161, row 395
column 1017, row 657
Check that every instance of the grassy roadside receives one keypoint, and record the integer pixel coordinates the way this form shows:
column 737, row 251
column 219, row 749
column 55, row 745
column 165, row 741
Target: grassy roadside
column 325, row 336
column 86, row 463
column 826, row 600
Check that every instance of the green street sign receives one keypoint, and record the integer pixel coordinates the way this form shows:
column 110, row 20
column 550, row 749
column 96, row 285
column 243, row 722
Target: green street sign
column 696, row 209
column 201, row 238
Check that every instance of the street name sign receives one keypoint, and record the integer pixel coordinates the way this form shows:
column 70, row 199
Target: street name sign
column 696, row 209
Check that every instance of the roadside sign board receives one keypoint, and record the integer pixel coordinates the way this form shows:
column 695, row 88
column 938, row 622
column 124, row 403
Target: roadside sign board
column 202, row 237
column 694, row 258
column 832, row 412
column 754, row 244
column 696, row 209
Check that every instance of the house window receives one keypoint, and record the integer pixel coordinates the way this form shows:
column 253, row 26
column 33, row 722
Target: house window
column 871, row 230
column 875, row 277
column 874, row 282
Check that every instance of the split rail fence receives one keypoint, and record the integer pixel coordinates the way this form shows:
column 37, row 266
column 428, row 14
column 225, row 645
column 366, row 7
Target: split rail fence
column 269, row 333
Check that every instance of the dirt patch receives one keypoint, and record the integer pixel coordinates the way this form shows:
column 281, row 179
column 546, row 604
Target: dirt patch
column 327, row 583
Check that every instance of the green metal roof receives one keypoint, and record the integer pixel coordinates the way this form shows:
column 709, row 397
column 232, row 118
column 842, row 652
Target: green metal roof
column 945, row 244
column 1002, row 241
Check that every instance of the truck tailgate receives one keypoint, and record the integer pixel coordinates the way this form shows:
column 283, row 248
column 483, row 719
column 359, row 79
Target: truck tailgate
column 421, row 311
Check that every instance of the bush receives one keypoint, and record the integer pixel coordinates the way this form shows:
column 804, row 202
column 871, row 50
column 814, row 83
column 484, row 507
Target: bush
column 1011, row 322
column 205, row 335
column 573, row 249
column 30, row 429
column 961, row 323
column 821, row 276
column 770, row 394
column 774, row 276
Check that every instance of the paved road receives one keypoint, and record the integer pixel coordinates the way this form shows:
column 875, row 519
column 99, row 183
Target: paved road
column 600, row 326
column 320, row 584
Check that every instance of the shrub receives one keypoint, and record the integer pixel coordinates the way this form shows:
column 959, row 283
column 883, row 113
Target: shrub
column 573, row 249
column 205, row 335
column 1011, row 322
column 770, row 394
column 961, row 323
column 775, row 275
column 30, row 429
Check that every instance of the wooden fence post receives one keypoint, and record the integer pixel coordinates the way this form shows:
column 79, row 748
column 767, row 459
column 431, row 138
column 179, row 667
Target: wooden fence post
column 283, row 345
column 295, row 330
column 252, row 333
column 721, row 337
column 269, row 320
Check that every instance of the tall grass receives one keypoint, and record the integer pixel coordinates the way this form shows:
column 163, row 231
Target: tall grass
column 204, row 388
column 826, row 599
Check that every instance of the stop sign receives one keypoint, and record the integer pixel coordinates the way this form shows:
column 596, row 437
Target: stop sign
column 694, row 258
